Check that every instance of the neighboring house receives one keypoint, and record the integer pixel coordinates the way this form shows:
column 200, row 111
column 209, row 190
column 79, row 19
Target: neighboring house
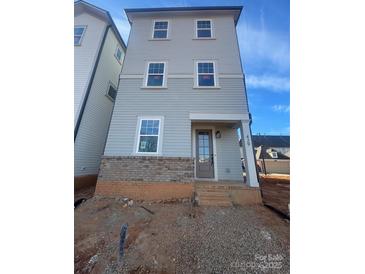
column 181, row 99
column 98, row 57
column 272, row 153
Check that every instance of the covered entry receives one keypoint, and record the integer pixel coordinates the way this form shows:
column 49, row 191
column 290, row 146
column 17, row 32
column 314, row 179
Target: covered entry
column 215, row 148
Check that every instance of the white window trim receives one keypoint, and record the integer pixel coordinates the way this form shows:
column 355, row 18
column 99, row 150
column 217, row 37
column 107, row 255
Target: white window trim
column 168, row 29
column 82, row 35
column 274, row 154
column 160, row 134
column 164, row 75
column 115, row 54
column 211, row 29
column 196, row 78
column 110, row 84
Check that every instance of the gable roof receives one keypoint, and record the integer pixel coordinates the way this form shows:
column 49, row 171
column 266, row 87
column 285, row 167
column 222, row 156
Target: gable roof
column 236, row 9
column 81, row 5
column 271, row 141
column 262, row 153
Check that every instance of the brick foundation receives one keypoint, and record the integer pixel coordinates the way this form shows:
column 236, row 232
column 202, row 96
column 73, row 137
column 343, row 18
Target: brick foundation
column 146, row 169
column 146, row 177
column 148, row 191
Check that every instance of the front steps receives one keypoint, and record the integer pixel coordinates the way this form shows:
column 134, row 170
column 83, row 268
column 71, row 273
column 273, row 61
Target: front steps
column 212, row 195
column 226, row 193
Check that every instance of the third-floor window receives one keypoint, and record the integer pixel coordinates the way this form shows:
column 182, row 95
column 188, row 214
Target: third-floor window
column 160, row 29
column 204, row 29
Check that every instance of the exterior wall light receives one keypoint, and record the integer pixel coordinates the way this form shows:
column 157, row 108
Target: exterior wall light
column 218, row 134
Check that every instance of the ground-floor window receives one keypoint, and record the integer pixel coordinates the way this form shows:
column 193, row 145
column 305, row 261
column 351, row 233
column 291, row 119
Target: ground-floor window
column 148, row 135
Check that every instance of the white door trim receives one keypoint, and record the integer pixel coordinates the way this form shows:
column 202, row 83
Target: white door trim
column 212, row 128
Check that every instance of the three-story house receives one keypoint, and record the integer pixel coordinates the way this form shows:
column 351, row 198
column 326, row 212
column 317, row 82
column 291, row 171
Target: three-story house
column 181, row 101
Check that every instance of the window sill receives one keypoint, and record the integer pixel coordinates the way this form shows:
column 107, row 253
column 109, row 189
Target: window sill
column 159, row 39
column 152, row 87
column 155, row 154
column 110, row 98
column 119, row 61
column 204, row 38
column 206, row 87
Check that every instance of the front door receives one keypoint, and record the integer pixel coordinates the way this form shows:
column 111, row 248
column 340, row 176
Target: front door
column 204, row 154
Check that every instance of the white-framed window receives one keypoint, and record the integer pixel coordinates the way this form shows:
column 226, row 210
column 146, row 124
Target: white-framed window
column 155, row 76
column 79, row 32
column 118, row 54
column 160, row 29
column 274, row 154
column 205, row 74
column 111, row 92
column 204, row 28
column 149, row 135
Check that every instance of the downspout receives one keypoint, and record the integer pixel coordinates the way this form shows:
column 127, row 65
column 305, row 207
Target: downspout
column 90, row 84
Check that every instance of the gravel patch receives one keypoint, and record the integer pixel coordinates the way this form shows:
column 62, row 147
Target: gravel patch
column 179, row 238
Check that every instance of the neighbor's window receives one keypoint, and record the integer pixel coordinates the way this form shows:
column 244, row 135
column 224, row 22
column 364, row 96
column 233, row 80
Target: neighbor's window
column 160, row 29
column 118, row 54
column 206, row 74
column 148, row 136
column 274, row 154
column 204, row 28
column 155, row 77
column 78, row 34
column 112, row 92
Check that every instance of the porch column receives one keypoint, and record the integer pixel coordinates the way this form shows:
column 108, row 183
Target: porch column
column 248, row 150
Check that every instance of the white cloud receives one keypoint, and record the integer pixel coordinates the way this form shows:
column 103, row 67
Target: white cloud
column 274, row 83
column 281, row 108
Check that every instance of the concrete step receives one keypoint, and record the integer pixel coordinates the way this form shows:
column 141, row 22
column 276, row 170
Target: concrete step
column 212, row 193
column 214, row 203
column 212, row 197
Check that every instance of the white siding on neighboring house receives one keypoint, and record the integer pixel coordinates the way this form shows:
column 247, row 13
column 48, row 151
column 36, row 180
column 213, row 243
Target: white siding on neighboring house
column 90, row 141
column 85, row 56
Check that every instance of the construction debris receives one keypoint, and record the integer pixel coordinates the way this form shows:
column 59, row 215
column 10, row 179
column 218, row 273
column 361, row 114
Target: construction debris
column 123, row 234
column 150, row 211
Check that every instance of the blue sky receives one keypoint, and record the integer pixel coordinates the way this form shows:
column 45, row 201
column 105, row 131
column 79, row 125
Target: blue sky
column 264, row 38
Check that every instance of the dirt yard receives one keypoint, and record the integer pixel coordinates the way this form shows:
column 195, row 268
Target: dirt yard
column 179, row 238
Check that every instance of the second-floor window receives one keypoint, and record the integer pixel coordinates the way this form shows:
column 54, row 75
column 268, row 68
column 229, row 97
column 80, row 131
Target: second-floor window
column 203, row 28
column 155, row 74
column 205, row 74
column 160, row 29
column 78, row 34
column 118, row 54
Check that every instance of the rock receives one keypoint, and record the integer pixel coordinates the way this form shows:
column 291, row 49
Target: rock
column 91, row 263
column 130, row 203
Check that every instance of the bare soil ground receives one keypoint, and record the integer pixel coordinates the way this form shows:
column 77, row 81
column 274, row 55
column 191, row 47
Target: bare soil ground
column 179, row 238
